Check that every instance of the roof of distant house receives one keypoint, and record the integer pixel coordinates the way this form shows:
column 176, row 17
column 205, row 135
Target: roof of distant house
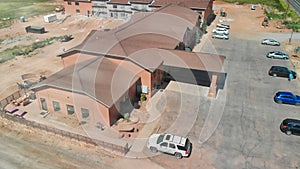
column 118, row 2
column 99, row 78
column 195, row 4
column 141, row 1
column 79, row 0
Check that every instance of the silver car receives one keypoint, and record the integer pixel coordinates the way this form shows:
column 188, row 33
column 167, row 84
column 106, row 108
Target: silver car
column 270, row 42
column 220, row 36
column 277, row 55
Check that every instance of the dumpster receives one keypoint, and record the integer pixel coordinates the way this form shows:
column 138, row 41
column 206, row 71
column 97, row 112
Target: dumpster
column 35, row 29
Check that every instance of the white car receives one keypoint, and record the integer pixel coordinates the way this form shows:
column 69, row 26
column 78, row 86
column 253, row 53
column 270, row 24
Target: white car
column 171, row 144
column 270, row 42
column 221, row 25
column 277, row 55
column 220, row 31
column 220, row 36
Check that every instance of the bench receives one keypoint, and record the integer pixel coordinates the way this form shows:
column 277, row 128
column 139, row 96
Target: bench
column 11, row 110
column 20, row 113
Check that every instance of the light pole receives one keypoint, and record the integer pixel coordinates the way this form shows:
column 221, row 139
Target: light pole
column 290, row 39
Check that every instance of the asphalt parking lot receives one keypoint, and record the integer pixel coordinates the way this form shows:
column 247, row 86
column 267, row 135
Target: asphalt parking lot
column 248, row 135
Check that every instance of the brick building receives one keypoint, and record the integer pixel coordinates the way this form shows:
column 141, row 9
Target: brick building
column 107, row 73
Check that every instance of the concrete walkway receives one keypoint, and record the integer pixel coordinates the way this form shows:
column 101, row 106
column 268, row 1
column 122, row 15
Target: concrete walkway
column 139, row 148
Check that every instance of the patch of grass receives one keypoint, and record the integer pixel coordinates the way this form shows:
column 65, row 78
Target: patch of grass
column 1, row 40
column 14, row 9
column 11, row 53
column 271, row 3
column 276, row 10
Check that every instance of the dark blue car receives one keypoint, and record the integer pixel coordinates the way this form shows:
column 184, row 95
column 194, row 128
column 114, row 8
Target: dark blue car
column 287, row 98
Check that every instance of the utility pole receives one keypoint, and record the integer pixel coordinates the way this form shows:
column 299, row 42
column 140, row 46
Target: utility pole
column 290, row 39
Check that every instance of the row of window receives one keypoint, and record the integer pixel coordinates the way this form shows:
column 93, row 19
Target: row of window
column 70, row 3
column 70, row 108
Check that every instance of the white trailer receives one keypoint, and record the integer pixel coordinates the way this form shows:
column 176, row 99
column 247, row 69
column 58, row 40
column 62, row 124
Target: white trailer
column 50, row 18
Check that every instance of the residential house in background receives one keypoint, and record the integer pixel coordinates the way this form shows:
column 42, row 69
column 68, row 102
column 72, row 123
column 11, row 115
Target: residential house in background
column 123, row 9
column 105, row 76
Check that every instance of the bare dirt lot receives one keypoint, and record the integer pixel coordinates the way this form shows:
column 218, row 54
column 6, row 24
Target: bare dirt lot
column 44, row 61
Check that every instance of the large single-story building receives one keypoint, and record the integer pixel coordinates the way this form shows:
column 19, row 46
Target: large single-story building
column 108, row 72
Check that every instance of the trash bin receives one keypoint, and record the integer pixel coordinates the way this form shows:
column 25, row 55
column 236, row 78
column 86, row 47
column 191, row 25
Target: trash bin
column 22, row 19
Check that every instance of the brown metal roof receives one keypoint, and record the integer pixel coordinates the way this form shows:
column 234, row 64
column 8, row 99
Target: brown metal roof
column 100, row 79
column 192, row 60
column 164, row 28
column 199, row 4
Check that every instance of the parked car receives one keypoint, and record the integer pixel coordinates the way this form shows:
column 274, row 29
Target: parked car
column 220, row 36
column 270, row 42
column 287, row 98
column 221, row 29
column 225, row 32
column 171, row 144
column 277, row 55
column 221, row 25
column 281, row 71
column 290, row 126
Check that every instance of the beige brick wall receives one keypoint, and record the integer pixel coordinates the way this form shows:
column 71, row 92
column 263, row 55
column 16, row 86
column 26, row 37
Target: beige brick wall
column 97, row 111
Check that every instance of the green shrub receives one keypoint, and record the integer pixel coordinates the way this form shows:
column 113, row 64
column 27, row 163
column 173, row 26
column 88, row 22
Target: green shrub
column 297, row 50
column 10, row 53
column 143, row 97
column 82, row 122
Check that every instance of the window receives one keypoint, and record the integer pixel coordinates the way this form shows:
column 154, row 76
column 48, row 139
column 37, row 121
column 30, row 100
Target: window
column 172, row 145
column 70, row 109
column 122, row 7
column 44, row 104
column 76, row 3
column 69, row 3
column 160, row 139
column 181, row 148
column 56, row 106
column 123, row 14
column 114, row 6
column 77, row 11
column 85, row 113
column 164, row 144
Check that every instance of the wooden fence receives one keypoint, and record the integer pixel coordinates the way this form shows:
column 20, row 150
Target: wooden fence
column 106, row 145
